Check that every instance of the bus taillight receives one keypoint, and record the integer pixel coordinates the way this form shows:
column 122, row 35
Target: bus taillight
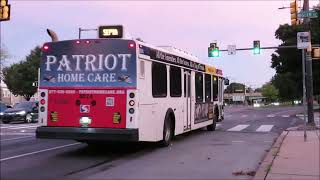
column 131, row 45
column 131, row 103
column 45, row 48
column 42, row 102
column 131, row 95
column 77, row 42
column 43, row 94
column 42, row 109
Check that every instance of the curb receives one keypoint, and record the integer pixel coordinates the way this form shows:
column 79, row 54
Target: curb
column 265, row 165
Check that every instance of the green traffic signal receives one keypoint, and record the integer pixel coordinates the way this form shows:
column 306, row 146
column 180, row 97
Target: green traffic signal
column 256, row 50
column 213, row 52
column 256, row 47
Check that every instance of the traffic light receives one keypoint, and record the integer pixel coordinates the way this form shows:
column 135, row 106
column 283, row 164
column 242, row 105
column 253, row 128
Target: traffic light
column 294, row 12
column 213, row 50
column 256, row 47
column 4, row 10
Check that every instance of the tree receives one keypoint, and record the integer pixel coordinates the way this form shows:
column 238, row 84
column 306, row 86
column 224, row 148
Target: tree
column 287, row 62
column 270, row 92
column 3, row 57
column 258, row 90
column 234, row 87
column 20, row 77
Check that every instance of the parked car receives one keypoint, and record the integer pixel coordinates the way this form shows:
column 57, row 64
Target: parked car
column 3, row 107
column 24, row 111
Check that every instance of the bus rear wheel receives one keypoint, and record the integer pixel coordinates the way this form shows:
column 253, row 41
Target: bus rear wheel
column 212, row 127
column 167, row 133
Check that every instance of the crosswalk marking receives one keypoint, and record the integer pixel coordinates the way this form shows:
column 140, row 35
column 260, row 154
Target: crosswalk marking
column 238, row 127
column 264, row 128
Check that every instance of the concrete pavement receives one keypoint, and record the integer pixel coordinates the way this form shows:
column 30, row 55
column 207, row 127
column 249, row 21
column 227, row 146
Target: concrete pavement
column 293, row 158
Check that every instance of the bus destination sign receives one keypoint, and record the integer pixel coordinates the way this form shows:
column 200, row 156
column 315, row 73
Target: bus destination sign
column 110, row 31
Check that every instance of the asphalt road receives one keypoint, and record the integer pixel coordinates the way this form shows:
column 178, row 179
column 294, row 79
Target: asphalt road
column 238, row 145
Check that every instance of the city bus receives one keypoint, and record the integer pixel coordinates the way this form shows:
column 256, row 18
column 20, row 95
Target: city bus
column 117, row 89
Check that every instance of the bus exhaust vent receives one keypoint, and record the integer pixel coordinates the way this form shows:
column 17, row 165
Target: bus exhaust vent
column 53, row 35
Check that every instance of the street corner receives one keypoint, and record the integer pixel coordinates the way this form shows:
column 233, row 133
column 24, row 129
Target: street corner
column 266, row 163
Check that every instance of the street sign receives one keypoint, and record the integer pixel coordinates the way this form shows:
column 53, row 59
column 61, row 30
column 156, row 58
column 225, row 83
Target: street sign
column 231, row 49
column 303, row 40
column 238, row 98
column 307, row 14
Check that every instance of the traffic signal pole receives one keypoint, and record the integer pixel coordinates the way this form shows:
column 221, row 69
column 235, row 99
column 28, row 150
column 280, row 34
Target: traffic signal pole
column 308, row 63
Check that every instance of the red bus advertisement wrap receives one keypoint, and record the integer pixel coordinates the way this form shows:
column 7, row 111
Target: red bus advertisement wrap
column 107, row 108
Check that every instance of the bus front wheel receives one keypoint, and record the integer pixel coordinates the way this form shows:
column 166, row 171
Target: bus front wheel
column 212, row 127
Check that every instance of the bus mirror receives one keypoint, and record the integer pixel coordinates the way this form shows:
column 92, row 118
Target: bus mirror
column 226, row 81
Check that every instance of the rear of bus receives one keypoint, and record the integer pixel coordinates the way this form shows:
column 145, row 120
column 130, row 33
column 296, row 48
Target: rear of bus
column 87, row 90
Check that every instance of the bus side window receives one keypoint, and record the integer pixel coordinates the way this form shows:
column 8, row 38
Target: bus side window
column 175, row 81
column 159, row 80
column 142, row 69
column 207, row 81
column 199, row 87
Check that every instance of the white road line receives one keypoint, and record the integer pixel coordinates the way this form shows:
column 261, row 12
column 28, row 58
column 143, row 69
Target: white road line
column 267, row 141
column 14, row 134
column 238, row 127
column 244, row 115
column 23, row 127
column 16, row 138
column 218, row 126
column 264, row 128
column 36, row 152
column 17, row 125
column 285, row 116
column 271, row 116
column 237, row 141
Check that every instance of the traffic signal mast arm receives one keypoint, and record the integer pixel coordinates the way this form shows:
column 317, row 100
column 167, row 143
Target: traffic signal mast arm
column 271, row 47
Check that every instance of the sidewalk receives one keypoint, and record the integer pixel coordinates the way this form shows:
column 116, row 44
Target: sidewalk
column 293, row 158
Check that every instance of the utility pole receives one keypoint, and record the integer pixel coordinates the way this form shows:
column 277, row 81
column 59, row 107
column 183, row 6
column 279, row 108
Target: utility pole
column 308, row 63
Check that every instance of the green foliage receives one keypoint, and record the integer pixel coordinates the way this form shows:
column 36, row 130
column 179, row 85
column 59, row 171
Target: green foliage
column 258, row 90
column 3, row 59
column 270, row 92
column 234, row 88
column 19, row 77
column 288, row 62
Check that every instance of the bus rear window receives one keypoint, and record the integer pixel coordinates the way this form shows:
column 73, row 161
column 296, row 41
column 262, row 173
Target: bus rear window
column 107, row 63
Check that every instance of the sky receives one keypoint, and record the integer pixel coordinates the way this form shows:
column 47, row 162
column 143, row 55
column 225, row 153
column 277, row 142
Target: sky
column 187, row 25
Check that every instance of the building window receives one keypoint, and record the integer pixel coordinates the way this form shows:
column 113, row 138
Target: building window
column 199, row 87
column 175, row 82
column 159, row 80
column 207, row 87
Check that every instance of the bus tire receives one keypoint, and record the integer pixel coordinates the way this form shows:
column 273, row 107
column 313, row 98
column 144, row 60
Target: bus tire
column 167, row 132
column 212, row 127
